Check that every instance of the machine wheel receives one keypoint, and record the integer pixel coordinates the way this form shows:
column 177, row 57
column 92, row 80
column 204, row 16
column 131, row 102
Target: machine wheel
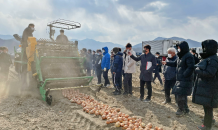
column 49, row 99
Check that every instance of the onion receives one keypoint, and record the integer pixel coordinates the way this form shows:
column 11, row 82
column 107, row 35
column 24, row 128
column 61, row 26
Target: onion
column 160, row 128
column 117, row 124
column 103, row 117
column 149, row 125
column 143, row 125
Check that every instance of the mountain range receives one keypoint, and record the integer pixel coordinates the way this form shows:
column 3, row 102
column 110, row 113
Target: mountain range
column 10, row 42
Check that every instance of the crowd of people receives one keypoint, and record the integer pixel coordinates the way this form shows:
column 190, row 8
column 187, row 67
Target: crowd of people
column 184, row 74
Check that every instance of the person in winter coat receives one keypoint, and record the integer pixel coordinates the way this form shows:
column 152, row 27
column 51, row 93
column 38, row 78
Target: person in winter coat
column 169, row 74
column 117, row 70
column 184, row 76
column 93, row 62
column 195, row 55
column 5, row 62
column 206, row 86
column 105, row 65
column 98, row 65
column 148, row 64
column 129, row 67
column 89, row 62
column 158, row 69
column 62, row 38
column 28, row 32
column 111, row 64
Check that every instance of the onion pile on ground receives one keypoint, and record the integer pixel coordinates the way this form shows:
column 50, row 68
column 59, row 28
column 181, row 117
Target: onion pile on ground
column 110, row 114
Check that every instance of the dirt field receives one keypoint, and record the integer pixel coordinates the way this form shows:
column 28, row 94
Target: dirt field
column 22, row 109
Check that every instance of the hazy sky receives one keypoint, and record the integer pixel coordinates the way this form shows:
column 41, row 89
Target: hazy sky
column 118, row 21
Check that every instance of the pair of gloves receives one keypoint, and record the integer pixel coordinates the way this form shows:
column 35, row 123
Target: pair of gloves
column 105, row 69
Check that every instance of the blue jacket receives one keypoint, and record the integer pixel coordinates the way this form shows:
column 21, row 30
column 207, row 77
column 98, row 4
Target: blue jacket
column 105, row 59
column 118, row 63
column 168, row 71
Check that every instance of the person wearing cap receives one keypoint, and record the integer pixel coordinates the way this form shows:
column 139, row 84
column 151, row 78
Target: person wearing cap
column 62, row 38
column 98, row 65
column 206, row 85
column 148, row 64
column 5, row 63
column 157, row 70
column 105, row 65
column 129, row 67
column 117, row 70
column 184, row 76
column 28, row 32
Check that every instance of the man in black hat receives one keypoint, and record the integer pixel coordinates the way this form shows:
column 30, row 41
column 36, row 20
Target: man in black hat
column 62, row 38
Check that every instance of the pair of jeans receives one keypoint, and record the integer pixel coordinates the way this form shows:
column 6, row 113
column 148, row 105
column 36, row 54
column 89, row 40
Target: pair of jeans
column 99, row 72
column 105, row 75
column 182, row 102
column 142, row 91
column 128, row 83
column 157, row 75
column 208, row 116
column 168, row 85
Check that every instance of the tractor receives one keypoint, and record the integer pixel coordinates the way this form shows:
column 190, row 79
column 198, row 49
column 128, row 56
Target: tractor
column 54, row 65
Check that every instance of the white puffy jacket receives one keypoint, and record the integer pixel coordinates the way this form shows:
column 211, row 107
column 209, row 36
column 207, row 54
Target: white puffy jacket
column 129, row 65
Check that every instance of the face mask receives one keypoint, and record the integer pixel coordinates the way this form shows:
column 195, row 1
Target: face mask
column 32, row 29
column 114, row 53
column 103, row 51
column 156, row 56
column 170, row 55
column 179, row 50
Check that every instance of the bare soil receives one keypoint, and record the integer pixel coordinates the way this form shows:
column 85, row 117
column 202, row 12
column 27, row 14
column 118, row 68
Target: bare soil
column 22, row 108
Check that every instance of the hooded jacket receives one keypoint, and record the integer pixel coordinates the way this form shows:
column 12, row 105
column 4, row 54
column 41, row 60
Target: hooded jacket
column 184, row 70
column 129, row 65
column 206, row 86
column 28, row 32
column 105, row 59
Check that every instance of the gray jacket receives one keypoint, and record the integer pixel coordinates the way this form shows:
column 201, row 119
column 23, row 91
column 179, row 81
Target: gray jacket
column 146, row 75
column 168, row 71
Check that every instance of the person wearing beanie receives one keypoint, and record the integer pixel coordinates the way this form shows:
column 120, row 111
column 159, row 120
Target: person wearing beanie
column 117, row 70
column 184, row 76
column 98, row 65
column 206, row 86
column 129, row 67
column 89, row 58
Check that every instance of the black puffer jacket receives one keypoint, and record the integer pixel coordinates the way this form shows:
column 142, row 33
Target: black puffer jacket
column 206, row 86
column 184, row 71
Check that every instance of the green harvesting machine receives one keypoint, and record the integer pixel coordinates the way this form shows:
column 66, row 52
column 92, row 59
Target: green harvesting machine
column 54, row 65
